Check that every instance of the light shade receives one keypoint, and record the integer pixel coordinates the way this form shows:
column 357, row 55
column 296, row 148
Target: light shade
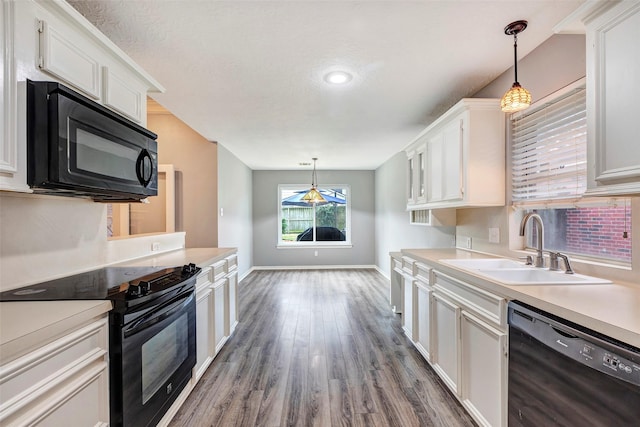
column 314, row 196
column 515, row 99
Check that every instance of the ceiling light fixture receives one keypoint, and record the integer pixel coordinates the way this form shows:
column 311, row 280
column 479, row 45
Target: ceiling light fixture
column 517, row 98
column 338, row 77
column 313, row 195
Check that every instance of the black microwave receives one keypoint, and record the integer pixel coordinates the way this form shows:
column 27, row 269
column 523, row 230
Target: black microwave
column 76, row 147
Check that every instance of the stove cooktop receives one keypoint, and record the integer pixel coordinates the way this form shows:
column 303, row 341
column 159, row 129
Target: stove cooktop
column 101, row 284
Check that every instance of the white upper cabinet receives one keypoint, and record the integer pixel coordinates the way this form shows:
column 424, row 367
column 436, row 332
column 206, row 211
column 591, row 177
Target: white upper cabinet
column 613, row 111
column 46, row 40
column 464, row 158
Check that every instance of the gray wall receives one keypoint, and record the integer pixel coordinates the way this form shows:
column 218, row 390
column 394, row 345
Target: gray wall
column 265, row 220
column 393, row 231
column 235, row 199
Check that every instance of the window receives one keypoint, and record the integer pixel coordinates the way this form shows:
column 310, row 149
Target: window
column 549, row 177
column 303, row 224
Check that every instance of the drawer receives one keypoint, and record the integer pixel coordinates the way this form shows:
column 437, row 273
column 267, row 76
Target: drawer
column 232, row 263
column 30, row 378
column 218, row 270
column 490, row 307
column 423, row 273
column 409, row 265
column 397, row 265
column 203, row 280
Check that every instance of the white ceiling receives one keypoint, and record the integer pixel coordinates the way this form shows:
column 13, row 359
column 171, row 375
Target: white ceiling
column 249, row 74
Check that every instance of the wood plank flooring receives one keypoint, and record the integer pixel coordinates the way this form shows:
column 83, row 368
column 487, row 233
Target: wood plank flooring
column 319, row 348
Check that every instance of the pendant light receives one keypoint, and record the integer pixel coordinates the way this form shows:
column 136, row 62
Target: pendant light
column 313, row 195
column 517, row 98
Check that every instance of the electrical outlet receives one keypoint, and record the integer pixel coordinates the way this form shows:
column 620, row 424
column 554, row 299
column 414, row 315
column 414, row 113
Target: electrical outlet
column 155, row 246
column 494, row 235
column 463, row 242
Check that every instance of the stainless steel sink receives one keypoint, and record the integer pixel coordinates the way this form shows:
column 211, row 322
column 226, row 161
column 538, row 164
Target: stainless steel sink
column 511, row 272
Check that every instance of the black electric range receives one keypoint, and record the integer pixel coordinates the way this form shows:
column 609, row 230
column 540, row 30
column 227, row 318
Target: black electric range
column 122, row 285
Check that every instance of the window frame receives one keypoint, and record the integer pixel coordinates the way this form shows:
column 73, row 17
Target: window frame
column 518, row 208
column 321, row 244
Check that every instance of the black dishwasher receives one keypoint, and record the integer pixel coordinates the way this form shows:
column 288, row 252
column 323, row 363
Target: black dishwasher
column 562, row 374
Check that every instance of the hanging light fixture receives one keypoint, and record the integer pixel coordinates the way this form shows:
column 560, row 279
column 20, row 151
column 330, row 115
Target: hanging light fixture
column 517, row 98
column 313, row 195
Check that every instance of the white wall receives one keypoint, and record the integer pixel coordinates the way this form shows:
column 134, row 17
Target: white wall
column 393, row 231
column 235, row 200
column 265, row 220
column 45, row 237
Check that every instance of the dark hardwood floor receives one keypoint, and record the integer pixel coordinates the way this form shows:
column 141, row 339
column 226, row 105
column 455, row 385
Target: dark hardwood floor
column 319, row 348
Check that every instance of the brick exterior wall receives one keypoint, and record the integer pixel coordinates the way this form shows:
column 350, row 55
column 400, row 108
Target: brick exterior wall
column 598, row 231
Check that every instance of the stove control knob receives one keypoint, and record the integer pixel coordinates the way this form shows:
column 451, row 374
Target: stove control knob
column 189, row 268
column 134, row 291
column 144, row 286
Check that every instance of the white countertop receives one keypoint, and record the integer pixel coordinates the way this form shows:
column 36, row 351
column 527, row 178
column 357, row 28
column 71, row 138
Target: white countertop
column 611, row 309
column 25, row 326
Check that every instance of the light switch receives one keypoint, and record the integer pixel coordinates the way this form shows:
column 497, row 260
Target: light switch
column 494, row 235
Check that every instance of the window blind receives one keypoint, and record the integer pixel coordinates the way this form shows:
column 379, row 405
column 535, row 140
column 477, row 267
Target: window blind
column 549, row 150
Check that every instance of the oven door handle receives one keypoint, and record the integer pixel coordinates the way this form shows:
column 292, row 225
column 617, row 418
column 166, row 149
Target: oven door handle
column 158, row 315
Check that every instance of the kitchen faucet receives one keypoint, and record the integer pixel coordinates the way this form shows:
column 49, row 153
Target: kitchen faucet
column 537, row 220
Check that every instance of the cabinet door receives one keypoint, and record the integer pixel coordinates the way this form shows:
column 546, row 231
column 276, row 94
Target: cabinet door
column 411, row 190
column 451, row 167
column 483, row 371
column 424, row 313
column 435, row 166
column 124, row 95
column 420, row 179
column 204, row 332
column 232, row 305
column 69, row 57
column 408, row 306
column 219, row 314
column 612, row 108
column 446, row 341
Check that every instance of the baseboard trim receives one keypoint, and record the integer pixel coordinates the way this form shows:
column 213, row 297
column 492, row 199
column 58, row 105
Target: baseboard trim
column 312, row 267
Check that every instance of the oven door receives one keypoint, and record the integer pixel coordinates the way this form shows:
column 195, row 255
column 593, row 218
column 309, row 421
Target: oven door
column 151, row 360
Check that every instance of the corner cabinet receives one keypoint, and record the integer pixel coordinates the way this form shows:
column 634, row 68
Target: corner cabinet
column 459, row 160
column 613, row 128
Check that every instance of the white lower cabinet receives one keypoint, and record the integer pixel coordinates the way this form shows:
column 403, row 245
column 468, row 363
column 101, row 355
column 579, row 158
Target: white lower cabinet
column 204, row 325
column 65, row 381
column 483, row 350
column 461, row 330
column 408, row 296
column 423, row 314
column 219, row 315
column 216, row 310
column 446, row 359
column 232, row 295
